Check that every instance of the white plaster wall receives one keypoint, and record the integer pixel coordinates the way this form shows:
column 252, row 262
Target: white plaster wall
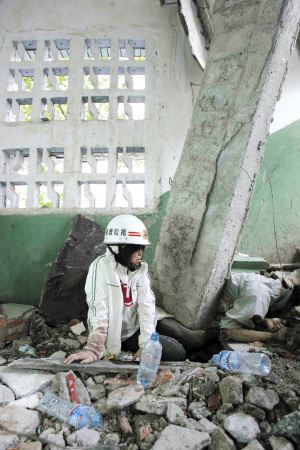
column 287, row 108
column 172, row 70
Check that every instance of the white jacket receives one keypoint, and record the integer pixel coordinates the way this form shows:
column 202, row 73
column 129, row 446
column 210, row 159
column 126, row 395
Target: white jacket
column 105, row 302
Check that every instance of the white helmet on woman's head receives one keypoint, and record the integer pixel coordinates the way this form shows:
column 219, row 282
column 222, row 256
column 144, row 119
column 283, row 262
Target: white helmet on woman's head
column 126, row 229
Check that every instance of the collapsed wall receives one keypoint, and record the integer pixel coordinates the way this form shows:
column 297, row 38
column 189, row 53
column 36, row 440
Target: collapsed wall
column 216, row 174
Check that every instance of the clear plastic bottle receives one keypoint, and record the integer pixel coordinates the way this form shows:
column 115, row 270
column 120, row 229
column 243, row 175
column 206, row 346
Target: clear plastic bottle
column 150, row 360
column 256, row 363
column 77, row 415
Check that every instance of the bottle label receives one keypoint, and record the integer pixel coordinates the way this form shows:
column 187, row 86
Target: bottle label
column 75, row 415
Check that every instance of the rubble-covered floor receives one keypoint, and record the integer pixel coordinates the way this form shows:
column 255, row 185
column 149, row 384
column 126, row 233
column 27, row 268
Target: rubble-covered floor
column 192, row 407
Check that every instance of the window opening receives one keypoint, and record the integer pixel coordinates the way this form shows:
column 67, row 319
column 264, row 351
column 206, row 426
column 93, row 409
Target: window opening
column 62, row 77
column 25, row 109
column 47, row 84
column 21, row 194
column 48, row 55
column 130, row 194
column 12, row 85
column 104, row 46
column 132, row 162
column 96, row 78
column 60, row 105
column 11, row 111
column 133, row 49
column 14, row 194
column 52, row 160
column 16, row 161
column 95, row 160
column 27, row 76
column 131, row 107
column 93, row 194
column 50, row 195
column 63, row 47
column 95, row 107
column 24, row 50
column 131, row 78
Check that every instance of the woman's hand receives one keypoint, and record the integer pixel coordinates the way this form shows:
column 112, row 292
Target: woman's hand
column 275, row 324
column 137, row 355
column 86, row 358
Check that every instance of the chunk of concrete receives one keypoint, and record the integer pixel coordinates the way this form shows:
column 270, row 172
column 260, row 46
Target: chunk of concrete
column 280, row 443
column 263, row 398
column 231, row 389
column 289, row 426
column 125, row 396
column 19, row 420
column 158, row 405
column 177, row 438
column 27, row 382
column 63, row 297
column 8, row 440
column 30, row 445
column 242, row 427
column 220, row 440
column 6, row 395
column 87, row 437
column 78, row 328
column 29, row 401
column 254, row 445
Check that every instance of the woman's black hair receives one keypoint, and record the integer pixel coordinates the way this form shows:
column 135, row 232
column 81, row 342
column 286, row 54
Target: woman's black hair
column 125, row 254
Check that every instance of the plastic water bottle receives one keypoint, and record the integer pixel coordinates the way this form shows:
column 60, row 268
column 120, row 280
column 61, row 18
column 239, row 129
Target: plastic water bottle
column 77, row 415
column 150, row 360
column 255, row 363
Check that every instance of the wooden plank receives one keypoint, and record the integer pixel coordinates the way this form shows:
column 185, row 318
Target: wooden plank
column 98, row 367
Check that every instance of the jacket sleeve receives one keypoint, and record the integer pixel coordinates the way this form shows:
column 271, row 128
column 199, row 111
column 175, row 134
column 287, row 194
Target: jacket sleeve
column 97, row 299
column 146, row 308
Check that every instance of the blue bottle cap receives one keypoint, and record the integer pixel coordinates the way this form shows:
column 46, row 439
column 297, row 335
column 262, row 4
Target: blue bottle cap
column 216, row 359
column 155, row 336
column 97, row 420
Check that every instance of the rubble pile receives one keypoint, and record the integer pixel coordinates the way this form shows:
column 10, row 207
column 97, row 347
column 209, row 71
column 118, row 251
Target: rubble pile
column 194, row 406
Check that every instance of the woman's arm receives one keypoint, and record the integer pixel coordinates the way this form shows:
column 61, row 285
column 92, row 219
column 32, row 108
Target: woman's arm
column 146, row 308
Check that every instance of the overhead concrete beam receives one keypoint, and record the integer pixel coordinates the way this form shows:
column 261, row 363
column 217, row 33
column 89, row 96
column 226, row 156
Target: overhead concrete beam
column 214, row 181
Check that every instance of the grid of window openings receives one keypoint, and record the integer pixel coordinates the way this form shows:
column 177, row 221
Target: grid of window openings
column 112, row 87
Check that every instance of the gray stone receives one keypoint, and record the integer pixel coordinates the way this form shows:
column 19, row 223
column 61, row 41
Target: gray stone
column 58, row 355
column 8, row 440
column 60, row 386
column 99, row 379
column 254, row 445
column 207, row 425
column 97, row 391
column 265, row 428
column 72, row 343
column 56, row 441
column 2, row 361
column 113, row 437
column 280, row 443
column 25, row 383
column 263, row 398
column 6, row 395
column 125, row 396
column 231, row 389
column 19, row 420
column 253, row 411
column 242, row 427
column 46, row 433
column 220, row 440
column 289, row 426
column 198, row 410
column 125, row 425
column 30, row 401
column 71, row 439
column 89, row 382
column 87, row 437
column 175, row 414
column 208, row 388
column 158, row 405
column 178, row 438
column 192, row 424
column 63, row 297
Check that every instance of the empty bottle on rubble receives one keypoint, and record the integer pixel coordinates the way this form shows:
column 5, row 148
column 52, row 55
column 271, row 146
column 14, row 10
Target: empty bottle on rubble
column 150, row 360
column 255, row 363
column 77, row 415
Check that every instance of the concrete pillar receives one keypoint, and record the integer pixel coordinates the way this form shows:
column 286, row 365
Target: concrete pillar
column 215, row 177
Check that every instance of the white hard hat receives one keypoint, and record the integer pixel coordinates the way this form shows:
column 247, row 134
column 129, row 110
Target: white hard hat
column 126, row 229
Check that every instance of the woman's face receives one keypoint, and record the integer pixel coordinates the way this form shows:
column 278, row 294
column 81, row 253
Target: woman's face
column 137, row 256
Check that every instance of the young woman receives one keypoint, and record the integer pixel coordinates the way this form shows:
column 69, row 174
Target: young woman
column 122, row 312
